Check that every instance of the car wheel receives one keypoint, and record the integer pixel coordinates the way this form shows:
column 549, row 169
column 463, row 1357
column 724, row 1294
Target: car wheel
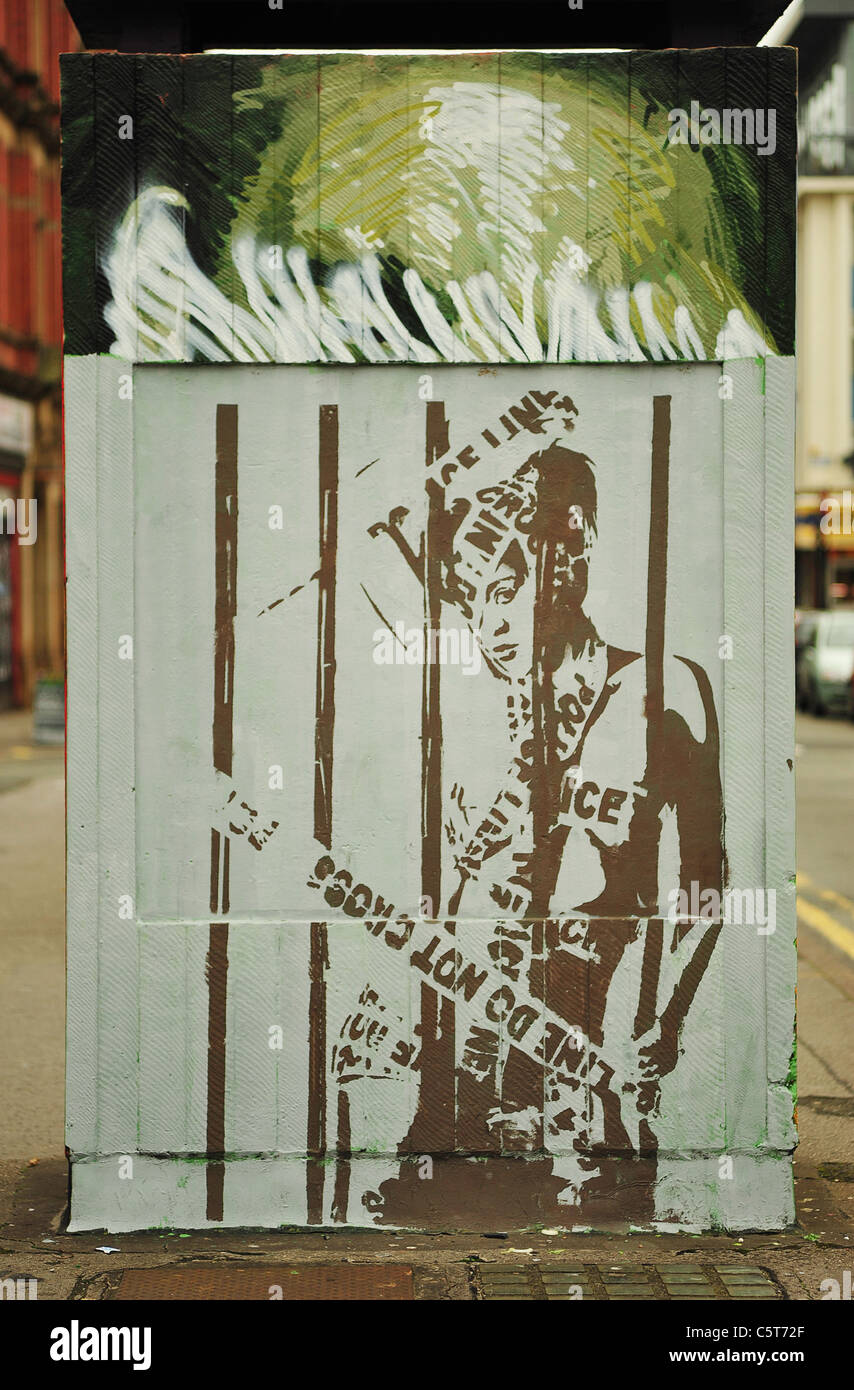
column 816, row 706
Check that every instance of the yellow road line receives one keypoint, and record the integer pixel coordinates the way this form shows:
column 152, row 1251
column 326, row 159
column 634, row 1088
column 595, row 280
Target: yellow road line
column 821, row 921
column 830, row 895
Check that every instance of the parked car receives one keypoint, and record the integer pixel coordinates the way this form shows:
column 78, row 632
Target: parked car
column 824, row 661
column 805, row 621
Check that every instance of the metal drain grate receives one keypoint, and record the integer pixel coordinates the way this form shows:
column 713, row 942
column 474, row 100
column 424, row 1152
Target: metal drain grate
column 571, row 1282
column 268, row 1282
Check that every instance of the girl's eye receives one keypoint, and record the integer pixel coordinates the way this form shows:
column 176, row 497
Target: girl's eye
column 504, row 592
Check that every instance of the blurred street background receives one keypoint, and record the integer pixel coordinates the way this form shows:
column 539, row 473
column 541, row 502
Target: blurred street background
column 32, row 942
column 824, row 759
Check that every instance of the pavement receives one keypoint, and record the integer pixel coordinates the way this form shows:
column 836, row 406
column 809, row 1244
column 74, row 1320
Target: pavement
column 471, row 1265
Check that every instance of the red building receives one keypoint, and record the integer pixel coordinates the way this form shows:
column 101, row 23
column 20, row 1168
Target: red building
column 32, row 35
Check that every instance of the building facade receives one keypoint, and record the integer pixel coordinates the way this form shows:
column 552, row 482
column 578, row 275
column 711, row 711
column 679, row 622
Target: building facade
column 32, row 35
column 824, row 468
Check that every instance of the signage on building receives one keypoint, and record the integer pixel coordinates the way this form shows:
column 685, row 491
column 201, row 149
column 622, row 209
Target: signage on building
column 822, row 125
column 16, row 425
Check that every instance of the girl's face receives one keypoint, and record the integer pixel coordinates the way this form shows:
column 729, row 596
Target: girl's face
column 503, row 613
column 504, row 605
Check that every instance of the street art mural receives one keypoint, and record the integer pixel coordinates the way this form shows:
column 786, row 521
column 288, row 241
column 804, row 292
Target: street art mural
column 514, row 1036
column 496, row 207
column 430, row 777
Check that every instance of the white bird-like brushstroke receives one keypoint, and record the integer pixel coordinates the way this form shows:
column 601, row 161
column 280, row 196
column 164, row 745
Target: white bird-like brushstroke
column 164, row 308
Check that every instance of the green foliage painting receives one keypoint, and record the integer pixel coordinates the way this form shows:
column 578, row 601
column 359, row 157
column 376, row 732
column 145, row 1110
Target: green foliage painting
column 494, row 207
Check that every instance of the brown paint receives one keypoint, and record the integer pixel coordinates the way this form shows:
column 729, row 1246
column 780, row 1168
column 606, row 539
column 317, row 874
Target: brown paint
column 701, row 825
column 225, row 608
column 675, row 1011
column 226, row 584
column 324, row 736
column 431, row 719
column 217, row 980
column 226, row 855
column 316, row 1136
column 382, row 617
column 325, row 684
column 645, row 1016
column 432, row 1129
column 214, row 900
column 656, row 605
column 341, row 1192
column 679, row 771
column 482, row 1192
column 656, row 589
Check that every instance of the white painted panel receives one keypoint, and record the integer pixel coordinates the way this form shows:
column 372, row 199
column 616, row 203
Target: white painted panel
column 745, row 983
column 117, row 655
column 710, row 1091
column 82, row 786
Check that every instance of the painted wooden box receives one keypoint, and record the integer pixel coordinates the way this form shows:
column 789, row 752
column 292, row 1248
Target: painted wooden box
column 429, row 441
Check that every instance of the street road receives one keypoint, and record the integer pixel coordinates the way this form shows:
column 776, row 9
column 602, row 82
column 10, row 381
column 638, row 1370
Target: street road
column 824, row 766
